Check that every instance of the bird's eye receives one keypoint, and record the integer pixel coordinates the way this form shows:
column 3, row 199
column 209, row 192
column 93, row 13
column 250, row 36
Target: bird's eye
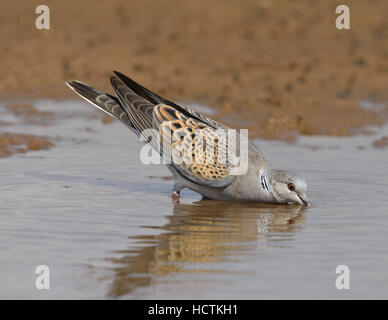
column 291, row 187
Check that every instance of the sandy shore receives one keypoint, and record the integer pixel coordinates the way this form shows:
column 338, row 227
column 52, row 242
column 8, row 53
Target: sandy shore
column 278, row 68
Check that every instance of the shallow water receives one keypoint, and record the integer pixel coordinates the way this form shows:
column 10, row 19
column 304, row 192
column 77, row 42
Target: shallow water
column 105, row 226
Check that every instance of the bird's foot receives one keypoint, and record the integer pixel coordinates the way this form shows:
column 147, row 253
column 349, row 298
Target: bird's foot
column 175, row 196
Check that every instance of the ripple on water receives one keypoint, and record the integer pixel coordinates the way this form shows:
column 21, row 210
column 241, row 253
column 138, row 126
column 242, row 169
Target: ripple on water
column 106, row 227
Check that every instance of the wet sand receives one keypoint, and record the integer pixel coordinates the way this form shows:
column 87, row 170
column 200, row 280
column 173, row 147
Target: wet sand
column 381, row 142
column 278, row 68
column 11, row 143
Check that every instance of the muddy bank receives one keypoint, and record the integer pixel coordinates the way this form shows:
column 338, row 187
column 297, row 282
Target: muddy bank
column 24, row 114
column 278, row 68
column 381, row 143
column 12, row 143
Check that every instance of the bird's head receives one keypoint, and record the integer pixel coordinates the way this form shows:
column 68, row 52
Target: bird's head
column 287, row 187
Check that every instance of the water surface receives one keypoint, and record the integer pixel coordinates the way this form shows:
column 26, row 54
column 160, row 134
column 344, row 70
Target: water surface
column 105, row 226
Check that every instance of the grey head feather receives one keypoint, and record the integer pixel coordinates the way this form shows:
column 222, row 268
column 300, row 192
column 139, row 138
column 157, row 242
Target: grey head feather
column 288, row 187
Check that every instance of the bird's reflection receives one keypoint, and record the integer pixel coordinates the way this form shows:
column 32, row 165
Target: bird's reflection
column 198, row 233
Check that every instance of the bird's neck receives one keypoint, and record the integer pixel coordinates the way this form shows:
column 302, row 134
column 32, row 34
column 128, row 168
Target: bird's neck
column 264, row 181
column 269, row 174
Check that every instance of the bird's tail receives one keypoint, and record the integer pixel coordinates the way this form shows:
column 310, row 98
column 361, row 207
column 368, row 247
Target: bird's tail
column 103, row 101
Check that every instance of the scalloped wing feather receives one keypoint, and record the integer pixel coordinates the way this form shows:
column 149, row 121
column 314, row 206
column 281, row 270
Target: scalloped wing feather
column 198, row 151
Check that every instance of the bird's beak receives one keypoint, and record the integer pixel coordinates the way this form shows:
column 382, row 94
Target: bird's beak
column 303, row 200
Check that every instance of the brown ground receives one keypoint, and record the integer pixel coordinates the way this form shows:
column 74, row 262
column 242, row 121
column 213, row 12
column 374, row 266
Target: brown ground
column 381, row 143
column 274, row 67
column 11, row 143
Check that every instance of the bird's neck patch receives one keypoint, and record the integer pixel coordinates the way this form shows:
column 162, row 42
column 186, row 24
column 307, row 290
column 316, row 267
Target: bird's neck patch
column 263, row 180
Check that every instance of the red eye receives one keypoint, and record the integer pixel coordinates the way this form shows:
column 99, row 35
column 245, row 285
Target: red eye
column 291, row 187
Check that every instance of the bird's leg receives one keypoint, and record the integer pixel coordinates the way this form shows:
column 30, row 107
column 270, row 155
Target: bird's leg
column 175, row 196
column 176, row 191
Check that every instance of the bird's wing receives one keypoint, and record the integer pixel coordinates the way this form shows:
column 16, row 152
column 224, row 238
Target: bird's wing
column 157, row 99
column 103, row 101
column 198, row 151
column 139, row 110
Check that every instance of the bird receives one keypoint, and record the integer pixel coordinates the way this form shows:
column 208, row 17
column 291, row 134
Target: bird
column 215, row 177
